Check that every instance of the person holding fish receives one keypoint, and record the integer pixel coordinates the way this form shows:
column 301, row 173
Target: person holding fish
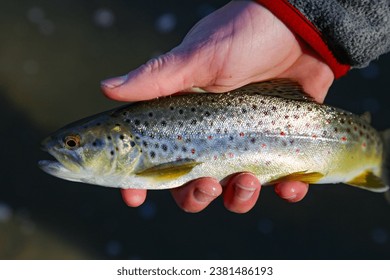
column 311, row 42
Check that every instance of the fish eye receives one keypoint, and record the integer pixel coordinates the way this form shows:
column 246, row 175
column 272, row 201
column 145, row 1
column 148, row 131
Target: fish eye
column 72, row 141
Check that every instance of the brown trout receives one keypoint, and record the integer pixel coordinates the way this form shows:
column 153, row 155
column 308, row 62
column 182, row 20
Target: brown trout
column 272, row 129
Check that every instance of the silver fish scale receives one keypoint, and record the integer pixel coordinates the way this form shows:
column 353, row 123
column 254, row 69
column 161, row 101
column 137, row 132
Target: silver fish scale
column 206, row 127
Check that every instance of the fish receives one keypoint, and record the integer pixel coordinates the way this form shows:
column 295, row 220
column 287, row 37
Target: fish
column 272, row 129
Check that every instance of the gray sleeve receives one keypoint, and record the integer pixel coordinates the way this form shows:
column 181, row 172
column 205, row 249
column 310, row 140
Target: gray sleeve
column 356, row 31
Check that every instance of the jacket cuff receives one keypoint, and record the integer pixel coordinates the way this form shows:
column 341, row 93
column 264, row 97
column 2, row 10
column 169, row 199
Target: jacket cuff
column 301, row 26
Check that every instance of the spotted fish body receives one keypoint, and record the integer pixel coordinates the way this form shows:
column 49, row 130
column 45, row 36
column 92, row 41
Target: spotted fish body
column 271, row 129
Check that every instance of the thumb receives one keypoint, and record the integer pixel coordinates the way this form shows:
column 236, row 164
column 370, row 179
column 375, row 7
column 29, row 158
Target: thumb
column 161, row 76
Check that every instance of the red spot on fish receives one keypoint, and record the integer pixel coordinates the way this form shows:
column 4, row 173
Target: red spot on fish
column 282, row 133
column 231, row 155
column 263, row 145
column 297, row 151
column 192, row 151
column 179, row 137
column 215, row 157
column 314, row 136
column 242, row 134
column 364, row 145
column 343, row 138
column 210, row 137
column 273, row 122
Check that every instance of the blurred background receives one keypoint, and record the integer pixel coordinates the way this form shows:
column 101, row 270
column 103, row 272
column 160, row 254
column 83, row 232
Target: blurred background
column 53, row 55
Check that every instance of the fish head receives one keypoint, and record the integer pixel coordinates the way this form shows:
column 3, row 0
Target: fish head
column 87, row 152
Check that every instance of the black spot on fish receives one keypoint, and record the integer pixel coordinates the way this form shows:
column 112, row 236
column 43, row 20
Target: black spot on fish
column 193, row 122
column 146, row 124
column 94, row 143
column 112, row 152
column 273, row 108
column 137, row 122
column 254, row 106
column 163, row 123
column 127, row 120
column 193, row 109
column 145, row 144
column 184, row 149
column 253, row 140
column 156, row 145
column 180, row 123
column 117, row 124
column 98, row 124
column 181, row 111
column 109, row 137
column 172, row 108
column 150, row 114
column 121, row 137
column 152, row 154
column 231, row 138
column 164, row 147
column 132, row 143
column 244, row 111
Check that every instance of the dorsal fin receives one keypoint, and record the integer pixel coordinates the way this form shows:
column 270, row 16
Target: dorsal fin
column 283, row 88
column 366, row 116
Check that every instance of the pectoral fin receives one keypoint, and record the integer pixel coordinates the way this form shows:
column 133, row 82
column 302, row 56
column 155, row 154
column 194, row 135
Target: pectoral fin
column 169, row 171
column 368, row 181
column 303, row 176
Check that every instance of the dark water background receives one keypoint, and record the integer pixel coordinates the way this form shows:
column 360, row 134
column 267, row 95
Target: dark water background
column 53, row 55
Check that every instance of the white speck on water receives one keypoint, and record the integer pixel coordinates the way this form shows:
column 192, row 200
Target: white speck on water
column 35, row 15
column 104, row 18
column 265, row 226
column 5, row 212
column 30, row 67
column 113, row 248
column 147, row 210
column 165, row 23
column 379, row 235
column 46, row 27
column 372, row 71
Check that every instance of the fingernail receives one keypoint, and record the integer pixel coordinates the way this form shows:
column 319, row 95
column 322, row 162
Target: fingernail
column 114, row 82
column 242, row 192
column 202, row 195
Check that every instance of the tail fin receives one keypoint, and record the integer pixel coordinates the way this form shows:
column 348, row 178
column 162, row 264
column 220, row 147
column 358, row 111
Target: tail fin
column 385, row 135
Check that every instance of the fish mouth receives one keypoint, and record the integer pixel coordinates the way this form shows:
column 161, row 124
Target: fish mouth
column 55, row 167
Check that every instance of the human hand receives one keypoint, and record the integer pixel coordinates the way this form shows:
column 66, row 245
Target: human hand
column 238, row 44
